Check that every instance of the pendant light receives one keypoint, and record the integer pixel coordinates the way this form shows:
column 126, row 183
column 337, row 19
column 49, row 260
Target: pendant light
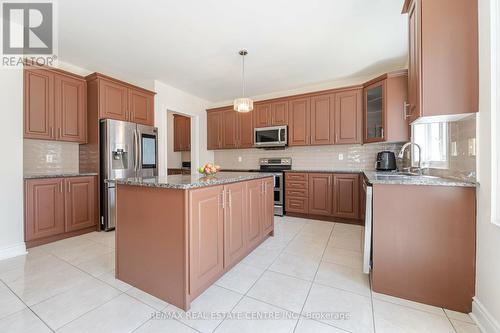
column 243, row 104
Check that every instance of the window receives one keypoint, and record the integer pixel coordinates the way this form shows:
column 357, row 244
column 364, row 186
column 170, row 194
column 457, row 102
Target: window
column 495, row 109
column 433, row 140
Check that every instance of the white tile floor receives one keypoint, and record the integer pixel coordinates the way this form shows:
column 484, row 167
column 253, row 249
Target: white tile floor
column 309, row 267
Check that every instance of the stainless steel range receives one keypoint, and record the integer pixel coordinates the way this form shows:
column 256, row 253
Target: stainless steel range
column 277, row 166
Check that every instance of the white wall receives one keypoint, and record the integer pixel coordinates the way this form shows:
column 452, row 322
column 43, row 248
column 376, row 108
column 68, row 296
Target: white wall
column 172, row 99
column 11, row 168
column 486, row 307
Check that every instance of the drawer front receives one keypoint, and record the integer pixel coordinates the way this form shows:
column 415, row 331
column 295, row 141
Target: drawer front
column 297, row 193
column 296, row 185
column 295, row 176
column 297, row 205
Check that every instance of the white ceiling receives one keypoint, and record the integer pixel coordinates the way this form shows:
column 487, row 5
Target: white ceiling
column 193, row 44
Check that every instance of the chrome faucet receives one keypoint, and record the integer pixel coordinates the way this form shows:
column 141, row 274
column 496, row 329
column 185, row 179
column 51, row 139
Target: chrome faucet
column 418, row 169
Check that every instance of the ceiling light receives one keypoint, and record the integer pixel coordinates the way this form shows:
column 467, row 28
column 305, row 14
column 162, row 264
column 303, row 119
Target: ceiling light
column 243, row 104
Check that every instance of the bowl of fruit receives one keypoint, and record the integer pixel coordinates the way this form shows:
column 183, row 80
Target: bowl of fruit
column 209, row 169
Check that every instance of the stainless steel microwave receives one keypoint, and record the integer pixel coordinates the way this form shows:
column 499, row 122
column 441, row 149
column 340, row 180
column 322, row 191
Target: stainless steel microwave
column 276, row 136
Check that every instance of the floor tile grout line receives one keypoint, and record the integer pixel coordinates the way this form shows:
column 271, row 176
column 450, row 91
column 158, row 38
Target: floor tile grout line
column 314, row 278
column 26, row 307
column 83, row 314
column 260, row 276
column 373, row 306
column 449, row 320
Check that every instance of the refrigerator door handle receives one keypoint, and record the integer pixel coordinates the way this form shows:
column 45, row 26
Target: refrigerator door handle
column 139, row 152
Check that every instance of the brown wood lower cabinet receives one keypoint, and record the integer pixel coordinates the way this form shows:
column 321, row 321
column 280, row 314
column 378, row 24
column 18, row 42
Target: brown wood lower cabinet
column 187, row 239
column 320, row 193
column 424, row 244
column 323, row 194
column 80, row 203
column 206, row 241
column 57, row 208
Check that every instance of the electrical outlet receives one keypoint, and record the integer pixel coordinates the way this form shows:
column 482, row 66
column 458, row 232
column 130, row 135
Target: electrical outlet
column 49, row 158
column 240, row 159
column 341, row 157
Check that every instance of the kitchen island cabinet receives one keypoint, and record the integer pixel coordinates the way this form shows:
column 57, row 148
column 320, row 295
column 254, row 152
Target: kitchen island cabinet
column 175, row 236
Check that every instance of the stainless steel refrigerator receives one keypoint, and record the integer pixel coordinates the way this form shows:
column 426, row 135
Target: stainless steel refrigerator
column 127, row 150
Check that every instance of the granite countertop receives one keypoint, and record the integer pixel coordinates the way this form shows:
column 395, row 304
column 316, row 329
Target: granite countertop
column 391, row 178
column 377, row 177
column 60, row 175
column 186, row 182
column 327, row 170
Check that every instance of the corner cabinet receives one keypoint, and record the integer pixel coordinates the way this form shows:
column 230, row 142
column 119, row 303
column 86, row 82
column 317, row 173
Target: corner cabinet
column 119, row 100
column 443, row 57
column 56, row 208
column 54, row 105
column 385, row 101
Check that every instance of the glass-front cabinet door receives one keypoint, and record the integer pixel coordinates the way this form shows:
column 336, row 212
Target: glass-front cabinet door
column 375, row 112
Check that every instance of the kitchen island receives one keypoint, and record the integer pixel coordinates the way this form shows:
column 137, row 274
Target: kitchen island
column 176, row 235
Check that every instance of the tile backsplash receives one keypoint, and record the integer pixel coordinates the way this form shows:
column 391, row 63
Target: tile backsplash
column 309, row 158
column 37, row 155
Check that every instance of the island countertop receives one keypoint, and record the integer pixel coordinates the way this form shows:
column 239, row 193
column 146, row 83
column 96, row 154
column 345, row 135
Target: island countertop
column 186, row 182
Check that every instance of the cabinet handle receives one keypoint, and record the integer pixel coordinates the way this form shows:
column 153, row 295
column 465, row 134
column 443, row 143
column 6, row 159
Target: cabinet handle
column 61, row 187
column 405, row 110
column 382, row 132
column 69, row 188
column 229, row 198
column 60, row 132
column 223, row 199
column 336, row 137
column 51, row 132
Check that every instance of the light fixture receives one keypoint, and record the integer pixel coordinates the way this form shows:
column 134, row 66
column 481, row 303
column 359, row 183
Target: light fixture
column 243, row 104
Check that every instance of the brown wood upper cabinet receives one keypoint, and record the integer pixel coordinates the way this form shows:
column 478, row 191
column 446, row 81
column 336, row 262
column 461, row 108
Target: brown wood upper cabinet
column 299, row 113
column 384, row 110
column 443, row 57
column 271, row 114
column 121, row 101
column 56, row 206
column 182, row 133
column 322, row 121
column 54, row 105
column 348, row 117
column 228, row 129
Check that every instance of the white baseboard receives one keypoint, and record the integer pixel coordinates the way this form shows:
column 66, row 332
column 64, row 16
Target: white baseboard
column 12, row 251
column 484, row 319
